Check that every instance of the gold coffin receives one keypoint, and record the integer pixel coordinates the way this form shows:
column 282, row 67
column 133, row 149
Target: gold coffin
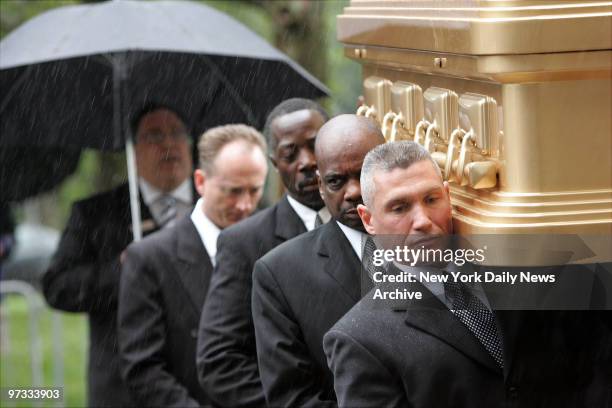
column 512, row 98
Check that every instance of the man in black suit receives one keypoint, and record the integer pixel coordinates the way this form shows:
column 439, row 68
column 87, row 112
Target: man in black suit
column 226, row 355
column 84, row 273
column 450, row 348
column 302, row 287
column 165, row 277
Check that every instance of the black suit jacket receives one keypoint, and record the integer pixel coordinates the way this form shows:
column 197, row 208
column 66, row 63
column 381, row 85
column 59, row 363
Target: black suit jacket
column 418, row 354
column 164, row 281
column 84, row 277
column 226, row 355
column 300, row 289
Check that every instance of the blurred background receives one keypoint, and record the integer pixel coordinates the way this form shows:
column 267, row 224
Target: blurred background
column 304, row 30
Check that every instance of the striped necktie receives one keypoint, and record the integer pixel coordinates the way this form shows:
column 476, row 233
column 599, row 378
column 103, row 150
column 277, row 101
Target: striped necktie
column 167, row 210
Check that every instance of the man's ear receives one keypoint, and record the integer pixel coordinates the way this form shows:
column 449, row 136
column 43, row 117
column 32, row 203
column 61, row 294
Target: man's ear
column 199, row 179
column 447, row 189
column 320, row 182
column 366, row 218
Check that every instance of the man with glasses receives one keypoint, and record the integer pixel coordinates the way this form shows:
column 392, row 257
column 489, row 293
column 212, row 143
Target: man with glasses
column 165, row 277
column 163, row 160
column 84, row 274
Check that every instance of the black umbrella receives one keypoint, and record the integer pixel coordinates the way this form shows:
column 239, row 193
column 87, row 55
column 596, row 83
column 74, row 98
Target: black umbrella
column 75, row 75
column 26, row 171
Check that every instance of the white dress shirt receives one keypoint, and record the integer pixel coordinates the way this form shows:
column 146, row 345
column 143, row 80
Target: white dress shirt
column 306, row 214
column 207, row 230
column 356, row 238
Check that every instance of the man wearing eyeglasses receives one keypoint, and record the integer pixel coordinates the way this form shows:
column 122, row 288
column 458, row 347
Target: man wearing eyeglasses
column 84, row 274
column 165, row 277
column 164, row 163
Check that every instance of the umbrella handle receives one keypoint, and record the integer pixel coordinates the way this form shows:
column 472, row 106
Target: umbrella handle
column 133, row 184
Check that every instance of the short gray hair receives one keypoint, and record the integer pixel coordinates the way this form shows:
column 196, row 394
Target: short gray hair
column 387, row 157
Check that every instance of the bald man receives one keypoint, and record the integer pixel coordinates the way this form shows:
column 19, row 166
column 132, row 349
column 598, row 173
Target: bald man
column 302, row 287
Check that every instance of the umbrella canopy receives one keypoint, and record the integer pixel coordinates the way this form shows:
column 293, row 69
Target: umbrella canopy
column 26, row 171
column 75, row 76
column 68, row 74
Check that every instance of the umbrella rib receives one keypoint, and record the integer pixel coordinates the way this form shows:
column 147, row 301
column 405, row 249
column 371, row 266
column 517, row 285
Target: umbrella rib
column 232, row 91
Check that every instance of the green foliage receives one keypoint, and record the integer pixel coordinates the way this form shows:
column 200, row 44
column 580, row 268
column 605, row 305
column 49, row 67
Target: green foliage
column 343, row 74
column 248, row 13
column 15, row 367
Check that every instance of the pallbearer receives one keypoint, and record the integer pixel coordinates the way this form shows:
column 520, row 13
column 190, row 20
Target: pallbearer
column 451, row 348
column 226, row 356
column 164, row 278
column 302, row 287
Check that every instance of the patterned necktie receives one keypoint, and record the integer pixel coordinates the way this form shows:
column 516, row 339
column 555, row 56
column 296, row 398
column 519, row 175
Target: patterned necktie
column 476, row 317
column 368, row 256
column 167, row 210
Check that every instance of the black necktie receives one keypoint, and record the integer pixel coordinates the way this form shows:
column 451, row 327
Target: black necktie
column 476, row 317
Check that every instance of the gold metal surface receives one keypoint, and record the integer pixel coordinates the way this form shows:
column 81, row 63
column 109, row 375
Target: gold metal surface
column 377, row 95
column 481, row 174
column 441, row 110
column 479, row 27
column 478, row 114
column 407, row 100
column 530, row 146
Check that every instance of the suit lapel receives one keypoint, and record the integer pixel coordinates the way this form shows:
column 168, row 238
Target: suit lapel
column 288, row 223
column 193, row 264
column 340, row 261
column 445, row 326
column 432, row 316
column 148, row 223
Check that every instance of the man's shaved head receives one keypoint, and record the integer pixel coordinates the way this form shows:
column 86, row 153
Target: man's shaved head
column 341, row 130
column 340, row 148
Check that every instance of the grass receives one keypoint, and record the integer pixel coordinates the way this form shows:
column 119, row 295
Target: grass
column 15, row 352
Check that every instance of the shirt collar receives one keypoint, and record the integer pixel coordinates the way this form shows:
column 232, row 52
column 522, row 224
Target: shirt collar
column 437, row 288
column 356, row 238
column 306, row 214
column 150, row 194
column 207, row 230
